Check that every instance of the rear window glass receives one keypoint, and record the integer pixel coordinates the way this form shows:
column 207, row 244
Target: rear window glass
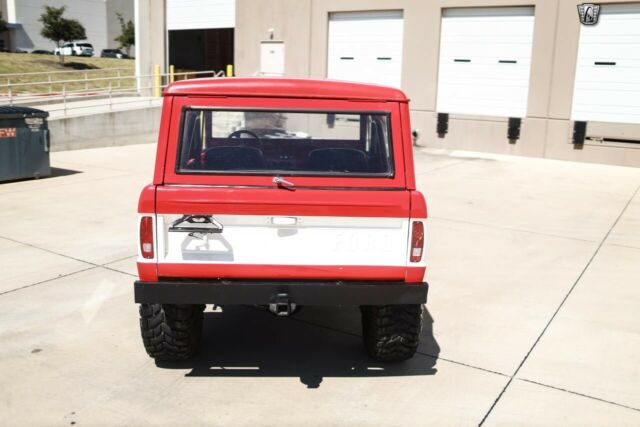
column 259, row 142
column 84, row 45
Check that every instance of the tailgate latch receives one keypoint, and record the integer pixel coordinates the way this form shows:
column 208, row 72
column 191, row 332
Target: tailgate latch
column 196, row 224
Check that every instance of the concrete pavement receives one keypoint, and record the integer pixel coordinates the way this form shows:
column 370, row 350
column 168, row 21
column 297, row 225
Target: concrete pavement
column 532, row 313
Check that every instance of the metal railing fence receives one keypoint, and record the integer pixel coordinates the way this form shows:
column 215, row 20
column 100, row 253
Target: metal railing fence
column 107, row 88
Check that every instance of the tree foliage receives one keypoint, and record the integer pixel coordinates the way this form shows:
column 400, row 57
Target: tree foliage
column 127, row 37
column 59, row 29
column 3, row 24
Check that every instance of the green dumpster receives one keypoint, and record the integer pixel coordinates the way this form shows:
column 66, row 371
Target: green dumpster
column 24, row 143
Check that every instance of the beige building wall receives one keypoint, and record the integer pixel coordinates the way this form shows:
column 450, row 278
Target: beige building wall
column 547, row 129
column 290, row 21
column 150, row 47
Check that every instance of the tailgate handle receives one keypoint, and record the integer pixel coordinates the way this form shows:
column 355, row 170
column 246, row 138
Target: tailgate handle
column 283, row 183
column 284, row 220
column 201, row 224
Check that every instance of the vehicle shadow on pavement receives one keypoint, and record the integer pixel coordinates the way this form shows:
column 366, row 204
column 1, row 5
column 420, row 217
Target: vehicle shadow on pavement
column 319, row 342
column 55, row 172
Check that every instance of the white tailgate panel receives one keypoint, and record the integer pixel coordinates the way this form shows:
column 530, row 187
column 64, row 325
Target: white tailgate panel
column 485, row 59
column 284, row 240
column 609, row 93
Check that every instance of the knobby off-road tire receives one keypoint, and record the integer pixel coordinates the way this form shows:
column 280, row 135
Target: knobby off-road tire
column 391, row 333
column 171, row 332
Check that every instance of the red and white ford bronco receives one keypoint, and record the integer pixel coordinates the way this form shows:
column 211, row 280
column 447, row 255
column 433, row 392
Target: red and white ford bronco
column 282, row 193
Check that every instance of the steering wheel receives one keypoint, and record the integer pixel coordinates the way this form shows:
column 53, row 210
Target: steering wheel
column 238, row 133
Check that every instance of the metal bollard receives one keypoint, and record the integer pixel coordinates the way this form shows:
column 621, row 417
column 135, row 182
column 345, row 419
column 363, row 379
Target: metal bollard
column 157, row 85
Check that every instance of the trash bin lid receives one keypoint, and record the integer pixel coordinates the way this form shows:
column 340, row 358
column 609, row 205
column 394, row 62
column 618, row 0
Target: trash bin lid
column 14, row 112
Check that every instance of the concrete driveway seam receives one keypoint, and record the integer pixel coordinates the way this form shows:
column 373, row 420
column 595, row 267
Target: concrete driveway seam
column 579, row 394
column 47, row 250
column 520, row 230
column 92, row 266
column 46, row 280
column 621, row 246
column 306, row 322
column 69, row 256
column 600, row 245
column 106, row 267
column 441, row 167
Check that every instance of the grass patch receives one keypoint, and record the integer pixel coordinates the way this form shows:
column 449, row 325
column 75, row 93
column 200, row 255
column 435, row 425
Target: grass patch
column 74, row 68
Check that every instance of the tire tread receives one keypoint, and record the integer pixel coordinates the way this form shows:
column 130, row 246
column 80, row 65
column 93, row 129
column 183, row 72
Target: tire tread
column 391, row 333
column 171, row 332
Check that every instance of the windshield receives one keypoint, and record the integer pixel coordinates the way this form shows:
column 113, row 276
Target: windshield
column 285, row 143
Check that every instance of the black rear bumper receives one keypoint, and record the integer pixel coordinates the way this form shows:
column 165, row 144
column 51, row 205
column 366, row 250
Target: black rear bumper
column 236, row 292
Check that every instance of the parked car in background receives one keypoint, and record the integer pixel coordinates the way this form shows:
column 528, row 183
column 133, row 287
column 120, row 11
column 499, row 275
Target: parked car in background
column 42, row 52
column 75, row 49
column 114, row 53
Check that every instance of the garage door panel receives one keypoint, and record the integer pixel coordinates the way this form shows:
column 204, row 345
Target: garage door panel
column 200, row 14
column 506, row 75
column 485, row 59
column 612, row 100
column 489, row 95
column 475, row 52
column 489, row 98
column 366, row 47
column 611, row 47
column 605, row 76
column 607, row 83
column 622, row 100
column 490, row 29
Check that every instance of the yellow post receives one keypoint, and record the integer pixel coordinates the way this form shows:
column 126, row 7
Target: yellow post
column 230, row 70
column 157, row 82
column 171, row 71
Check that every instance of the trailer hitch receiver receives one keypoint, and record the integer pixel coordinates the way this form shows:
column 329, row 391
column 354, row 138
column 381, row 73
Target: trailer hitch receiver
column 281, row 305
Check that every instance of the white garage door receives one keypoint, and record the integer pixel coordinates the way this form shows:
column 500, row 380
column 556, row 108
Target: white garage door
column 607, row 86
column 366, row 47
column 200, row 14
column 485, row 57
